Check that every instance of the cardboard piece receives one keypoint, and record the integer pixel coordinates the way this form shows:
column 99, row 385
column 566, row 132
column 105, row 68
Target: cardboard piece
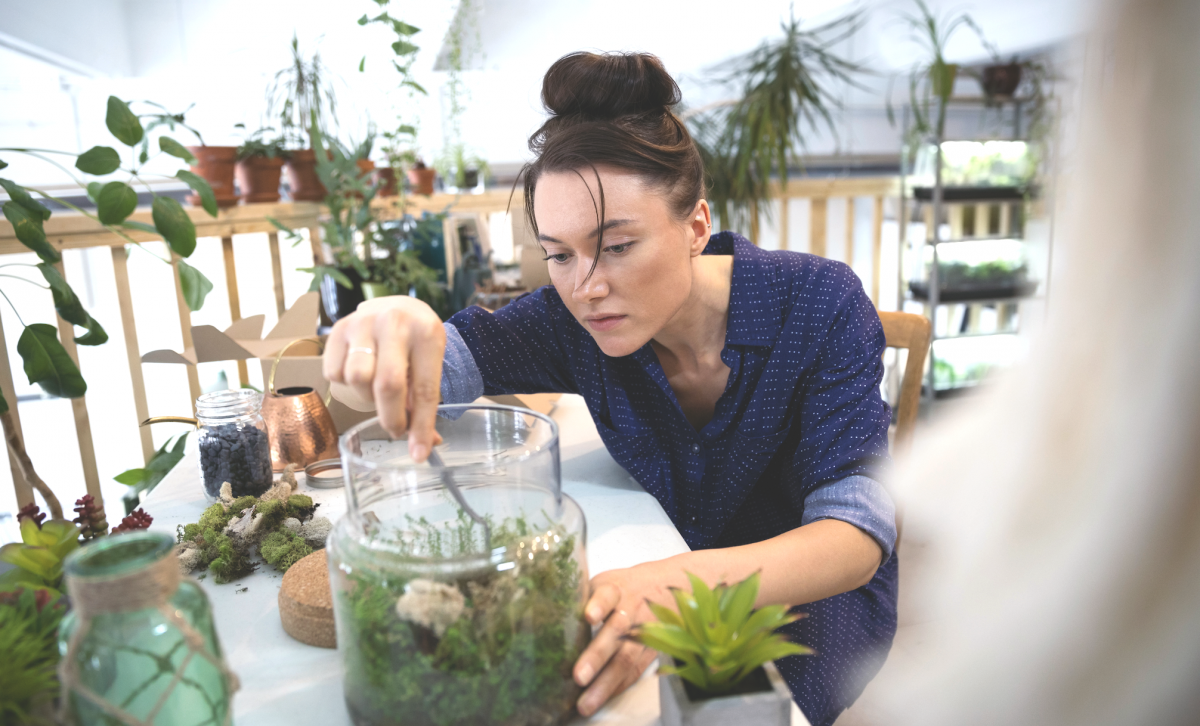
column 300, row 364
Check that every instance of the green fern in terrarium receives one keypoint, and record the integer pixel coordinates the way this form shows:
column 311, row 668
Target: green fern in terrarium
column 717, row 638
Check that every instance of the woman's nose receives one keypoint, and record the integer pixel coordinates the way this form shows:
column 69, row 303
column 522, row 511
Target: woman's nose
column 590, row 284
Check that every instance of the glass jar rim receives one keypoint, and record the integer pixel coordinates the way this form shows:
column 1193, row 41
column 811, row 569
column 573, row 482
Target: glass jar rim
column 118, row 555
column 359, row 460
column 229, row 403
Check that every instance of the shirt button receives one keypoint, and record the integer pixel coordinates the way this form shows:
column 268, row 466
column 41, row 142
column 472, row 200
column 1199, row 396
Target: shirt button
column 695, row 448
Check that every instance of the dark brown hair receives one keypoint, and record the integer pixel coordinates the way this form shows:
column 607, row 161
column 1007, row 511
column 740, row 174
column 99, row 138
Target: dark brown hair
column 615, row 109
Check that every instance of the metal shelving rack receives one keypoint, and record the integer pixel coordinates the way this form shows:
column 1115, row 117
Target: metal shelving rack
column 942, row 206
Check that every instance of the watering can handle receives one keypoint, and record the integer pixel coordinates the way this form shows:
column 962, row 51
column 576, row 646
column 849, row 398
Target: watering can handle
column 279, row 357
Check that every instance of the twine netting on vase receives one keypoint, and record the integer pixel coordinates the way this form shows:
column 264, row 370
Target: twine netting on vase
column 150, row 588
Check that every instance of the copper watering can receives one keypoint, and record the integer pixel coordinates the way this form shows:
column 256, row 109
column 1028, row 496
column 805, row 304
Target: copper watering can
column 299, row 425
column 300, row 428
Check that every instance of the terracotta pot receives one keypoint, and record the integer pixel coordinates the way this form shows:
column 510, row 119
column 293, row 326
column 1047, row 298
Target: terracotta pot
column 303, row 183
column 299, row 427
column 386, row 179
column 365, row 166
column 1001, row 81
column 258, row 179
column 215, row 164
column 422, row 180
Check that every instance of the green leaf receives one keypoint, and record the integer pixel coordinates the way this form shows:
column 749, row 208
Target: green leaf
column 122, row 122
column 3, row 164
column 21, row 196
column 669, row 639
column 68, row 306
column 29, row 230
column 207, row 199
column 415, row 86
column 736, row 607
column 140, row 226
column 176, row 149
column 130, row 477
column 116, row 201
column 195, row 286
column 403, row 28
column 174, row 225
column 99, row 160
column 362, row 64
column 403, row 47
column 364, row 19
column 93, row 191
column 47, row 363
column 665, row 615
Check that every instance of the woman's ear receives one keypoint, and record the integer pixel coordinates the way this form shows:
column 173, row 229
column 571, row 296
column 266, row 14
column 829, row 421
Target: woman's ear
column 701, row 227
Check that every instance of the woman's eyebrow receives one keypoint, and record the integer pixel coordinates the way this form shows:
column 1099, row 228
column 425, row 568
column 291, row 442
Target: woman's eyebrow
column 610, row 224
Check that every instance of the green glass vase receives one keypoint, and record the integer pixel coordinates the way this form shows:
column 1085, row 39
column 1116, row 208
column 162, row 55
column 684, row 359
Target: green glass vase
column 139, row 646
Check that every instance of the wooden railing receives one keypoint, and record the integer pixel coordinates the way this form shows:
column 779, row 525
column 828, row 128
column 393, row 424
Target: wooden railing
column 74, row 231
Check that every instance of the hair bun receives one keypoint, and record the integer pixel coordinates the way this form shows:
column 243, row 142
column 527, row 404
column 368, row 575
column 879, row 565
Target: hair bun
column 603, row 87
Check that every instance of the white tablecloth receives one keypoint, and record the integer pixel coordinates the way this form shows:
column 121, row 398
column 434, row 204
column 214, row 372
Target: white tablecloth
column 288, row 683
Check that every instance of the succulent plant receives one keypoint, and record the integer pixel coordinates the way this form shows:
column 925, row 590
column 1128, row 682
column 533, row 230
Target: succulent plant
column 135, row 521
column 717, row 638
column 90, row 518
column 38, row 558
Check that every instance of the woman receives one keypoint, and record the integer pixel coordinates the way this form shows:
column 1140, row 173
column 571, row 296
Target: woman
column 739, row 387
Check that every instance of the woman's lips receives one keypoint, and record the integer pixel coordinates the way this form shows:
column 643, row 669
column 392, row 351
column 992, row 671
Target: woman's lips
column 604, row 323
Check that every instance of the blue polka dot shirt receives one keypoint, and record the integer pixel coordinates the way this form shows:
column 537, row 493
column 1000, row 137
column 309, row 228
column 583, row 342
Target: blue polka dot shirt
column 799, row 434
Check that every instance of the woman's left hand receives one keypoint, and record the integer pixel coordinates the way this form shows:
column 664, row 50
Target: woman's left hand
column 612, row 662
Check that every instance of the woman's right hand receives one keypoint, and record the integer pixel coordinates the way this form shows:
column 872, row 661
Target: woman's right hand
column 390, row 351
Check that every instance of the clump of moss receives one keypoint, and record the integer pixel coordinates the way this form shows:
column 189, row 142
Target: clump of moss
column 240, row 505
column 215, row 517
column 300, row 506
column 506, row 659
column 231, row 562
column 283, row 549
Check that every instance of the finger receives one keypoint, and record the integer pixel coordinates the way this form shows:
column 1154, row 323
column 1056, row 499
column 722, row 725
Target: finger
column 359, row 369
column 425, row 386
column 603, row 601
column 620, row 673
column 390, row 386
column 603, row 647
column 334, row 358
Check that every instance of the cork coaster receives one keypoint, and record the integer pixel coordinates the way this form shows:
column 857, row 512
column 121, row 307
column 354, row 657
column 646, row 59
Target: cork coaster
column 306, row 602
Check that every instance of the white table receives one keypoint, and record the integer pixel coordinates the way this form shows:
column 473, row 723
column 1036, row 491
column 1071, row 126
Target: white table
column 288, row 683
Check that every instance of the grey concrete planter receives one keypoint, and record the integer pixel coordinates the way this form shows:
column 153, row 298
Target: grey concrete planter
column 761, row 708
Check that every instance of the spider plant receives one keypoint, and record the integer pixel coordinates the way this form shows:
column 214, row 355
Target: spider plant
column 299, row 93
column 786, row 89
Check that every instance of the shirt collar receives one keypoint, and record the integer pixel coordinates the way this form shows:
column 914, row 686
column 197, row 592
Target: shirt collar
column 755, row 312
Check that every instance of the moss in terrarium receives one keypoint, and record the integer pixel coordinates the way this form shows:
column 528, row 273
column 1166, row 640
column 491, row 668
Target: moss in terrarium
column 215, row 517
column 506, row 659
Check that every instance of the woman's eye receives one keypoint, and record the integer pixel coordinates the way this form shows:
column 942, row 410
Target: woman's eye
column 560, row 258
column 618, row 249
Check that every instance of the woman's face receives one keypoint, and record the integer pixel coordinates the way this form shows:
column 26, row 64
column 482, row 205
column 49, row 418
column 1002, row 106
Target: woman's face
column 644, row 275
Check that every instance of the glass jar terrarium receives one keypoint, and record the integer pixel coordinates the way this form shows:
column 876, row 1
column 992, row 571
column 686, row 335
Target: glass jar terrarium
column 233, row 441
column 139, row 646
column 459, row 583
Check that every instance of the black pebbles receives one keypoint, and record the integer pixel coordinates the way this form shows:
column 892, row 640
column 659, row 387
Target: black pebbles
column 238, row 455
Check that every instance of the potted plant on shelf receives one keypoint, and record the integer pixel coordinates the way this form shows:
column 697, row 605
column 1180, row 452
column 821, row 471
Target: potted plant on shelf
column 259, row 166
column 397, row 148
column 716, row 656
column 460, row 169
column 421, row 178
column 298, row 94
column 784, row 89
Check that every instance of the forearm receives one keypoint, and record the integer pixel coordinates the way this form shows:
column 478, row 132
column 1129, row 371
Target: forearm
column 809, row 563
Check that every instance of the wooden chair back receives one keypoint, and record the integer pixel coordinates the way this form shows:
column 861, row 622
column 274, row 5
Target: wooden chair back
column 912, row 332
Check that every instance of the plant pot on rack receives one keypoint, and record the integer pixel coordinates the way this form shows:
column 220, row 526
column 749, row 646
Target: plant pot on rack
column 422, row 180
column 762, row 699
column 972, row 291
column 385, row 177
column 303, row 183
column 372, row 290
column 1001, row 80
column 339, row 301
column 470, row 179
column 216, row 165
column 258, row 179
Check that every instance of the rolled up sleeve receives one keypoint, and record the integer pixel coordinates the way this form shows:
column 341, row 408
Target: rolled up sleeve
column 856, row 500
column 461, row 380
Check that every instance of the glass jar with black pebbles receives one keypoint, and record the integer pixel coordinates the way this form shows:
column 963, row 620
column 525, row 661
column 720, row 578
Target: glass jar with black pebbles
column 233, row 443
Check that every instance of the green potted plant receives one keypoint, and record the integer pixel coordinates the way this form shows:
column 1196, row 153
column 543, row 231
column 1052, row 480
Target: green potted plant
column 397, row 149
column 260, row 166
column 397, row 267
column 784, row 89
column 461, row 169
column 298, row 94
column 716, row 656
column 46, row 361
column 421, row 178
